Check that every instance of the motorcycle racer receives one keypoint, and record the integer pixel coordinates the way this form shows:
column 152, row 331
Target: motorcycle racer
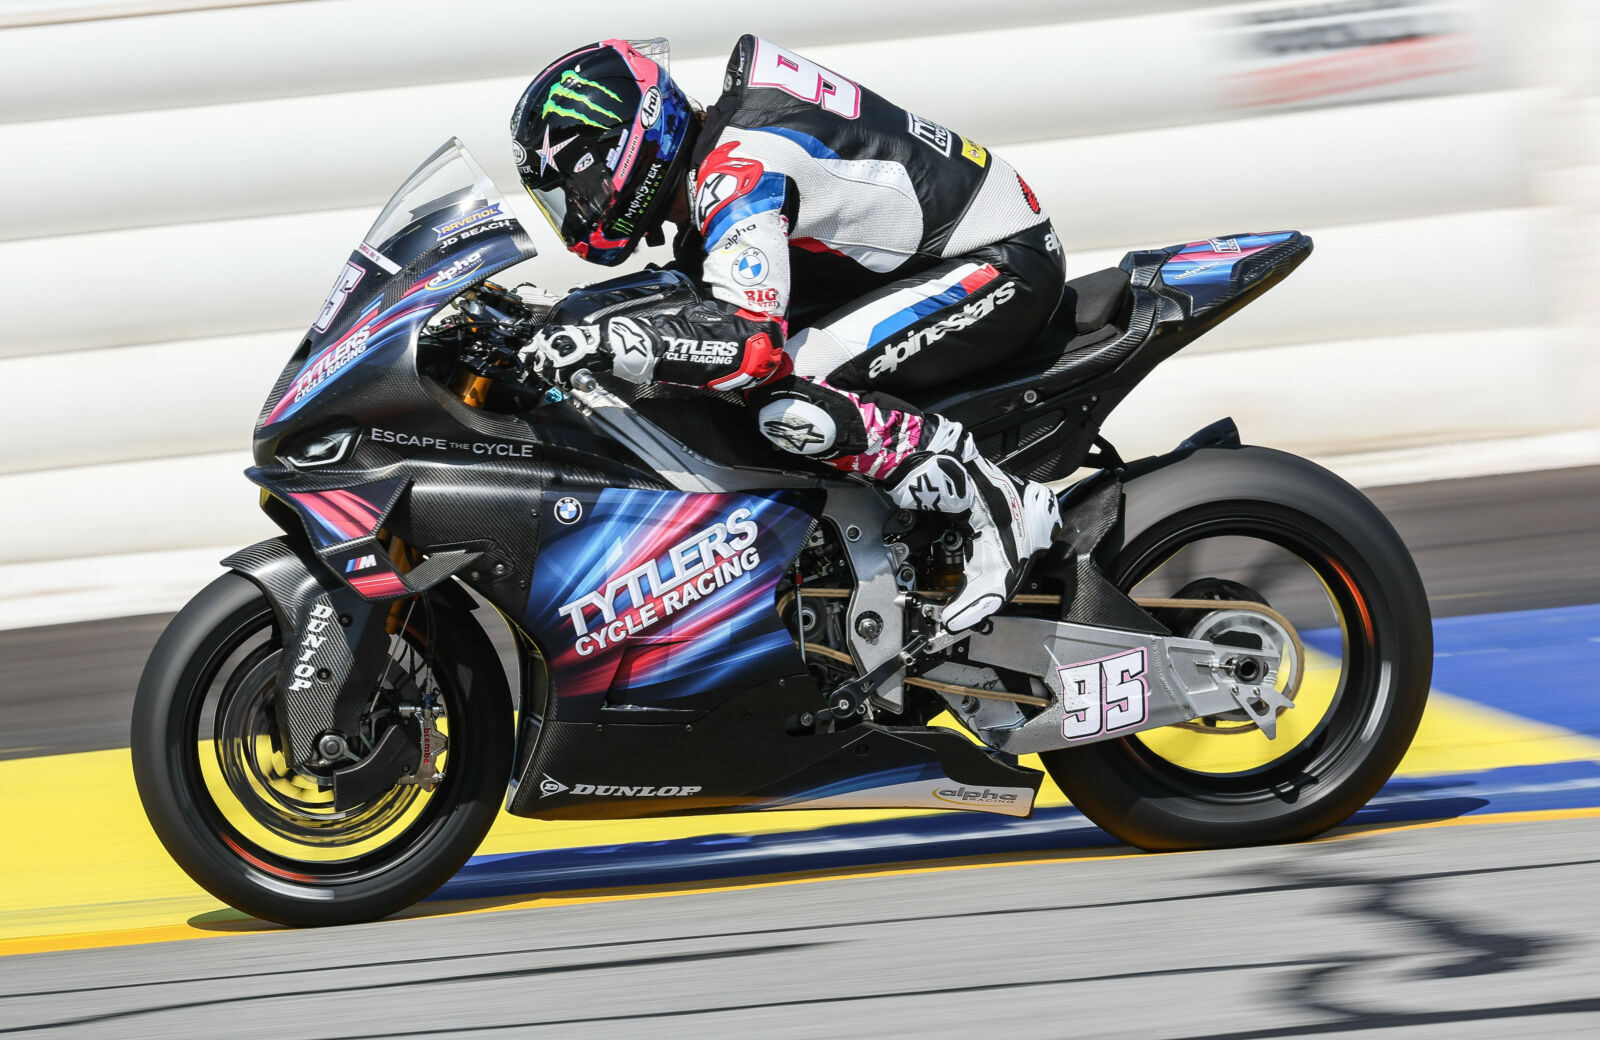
column 902, row 254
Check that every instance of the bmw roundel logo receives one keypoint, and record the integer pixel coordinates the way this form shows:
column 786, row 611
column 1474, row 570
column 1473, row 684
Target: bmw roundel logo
column 569, row 510
column 751, row 267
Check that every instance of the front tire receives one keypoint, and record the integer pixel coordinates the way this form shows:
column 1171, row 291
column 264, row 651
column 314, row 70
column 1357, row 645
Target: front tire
column 1146, row 801
column 206, row 648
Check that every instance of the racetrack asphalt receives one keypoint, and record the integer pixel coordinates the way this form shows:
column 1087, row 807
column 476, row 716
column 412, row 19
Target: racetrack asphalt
column 1486, row 544
column 1448, row 931
column 1473, row 926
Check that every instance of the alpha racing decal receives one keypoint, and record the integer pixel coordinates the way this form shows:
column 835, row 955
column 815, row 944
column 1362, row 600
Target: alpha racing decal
column 964, row 795
column 456, row 272
column 696, row 567
column 895, row 354
column 310, row 643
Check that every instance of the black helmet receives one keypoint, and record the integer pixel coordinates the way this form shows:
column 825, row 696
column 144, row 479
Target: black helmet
column 601, row 139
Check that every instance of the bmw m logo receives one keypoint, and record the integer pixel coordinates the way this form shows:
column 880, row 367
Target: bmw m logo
column 569, row 510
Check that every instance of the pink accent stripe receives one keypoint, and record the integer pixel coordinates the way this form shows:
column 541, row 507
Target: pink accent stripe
column 378, row 585
column 333, row 507
column 358, row 508
column 313, row 504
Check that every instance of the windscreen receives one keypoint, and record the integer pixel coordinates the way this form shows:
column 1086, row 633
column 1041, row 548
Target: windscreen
column 446, row 203
column 445, row 230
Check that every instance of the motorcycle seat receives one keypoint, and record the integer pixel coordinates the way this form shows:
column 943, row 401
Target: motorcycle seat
column 1074, row 346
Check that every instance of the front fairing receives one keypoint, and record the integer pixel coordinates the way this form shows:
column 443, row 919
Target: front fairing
column 445, row 230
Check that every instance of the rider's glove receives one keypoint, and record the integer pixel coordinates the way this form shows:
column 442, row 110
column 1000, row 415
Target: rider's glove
column 557, row 351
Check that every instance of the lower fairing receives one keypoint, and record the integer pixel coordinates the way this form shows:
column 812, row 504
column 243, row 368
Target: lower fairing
column 740, row 758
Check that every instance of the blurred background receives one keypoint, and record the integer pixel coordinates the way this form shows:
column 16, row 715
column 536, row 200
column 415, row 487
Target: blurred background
column 184, row 178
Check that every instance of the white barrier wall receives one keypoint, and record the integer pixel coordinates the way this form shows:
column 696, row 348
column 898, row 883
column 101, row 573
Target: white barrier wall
column 183, row 179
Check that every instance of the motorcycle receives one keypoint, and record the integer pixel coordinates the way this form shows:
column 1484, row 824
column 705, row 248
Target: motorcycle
column 1226, row 644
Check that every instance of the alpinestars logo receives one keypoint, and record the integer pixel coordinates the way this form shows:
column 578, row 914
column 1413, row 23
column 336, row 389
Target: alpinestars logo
column 573, row 87
column 895, row 354
column 795, row 434
column 937, row 482
column 696, row 567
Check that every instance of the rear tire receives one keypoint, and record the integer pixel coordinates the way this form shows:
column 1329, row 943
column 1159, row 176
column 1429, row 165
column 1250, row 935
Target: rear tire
column 166, row 744
column 1147, row 802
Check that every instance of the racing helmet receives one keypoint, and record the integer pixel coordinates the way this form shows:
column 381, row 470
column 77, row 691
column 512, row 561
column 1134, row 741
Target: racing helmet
column 602, row 139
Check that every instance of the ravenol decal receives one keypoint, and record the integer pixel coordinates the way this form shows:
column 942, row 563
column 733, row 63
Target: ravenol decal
column 696, row 567
column 569, row 87
column 477, row 216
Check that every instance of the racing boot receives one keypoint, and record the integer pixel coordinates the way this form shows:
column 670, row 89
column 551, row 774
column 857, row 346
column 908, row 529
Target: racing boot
column 1011, row 520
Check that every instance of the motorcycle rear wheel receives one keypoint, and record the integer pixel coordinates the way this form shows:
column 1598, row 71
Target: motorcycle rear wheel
column 336, row 876
column 1143, row 799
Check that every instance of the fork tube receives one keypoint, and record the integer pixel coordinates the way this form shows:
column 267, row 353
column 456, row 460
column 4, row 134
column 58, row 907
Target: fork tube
column 472, row 388
column 400, row 553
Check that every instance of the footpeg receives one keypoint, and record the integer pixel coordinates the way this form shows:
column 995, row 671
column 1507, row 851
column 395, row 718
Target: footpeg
column 850, row 699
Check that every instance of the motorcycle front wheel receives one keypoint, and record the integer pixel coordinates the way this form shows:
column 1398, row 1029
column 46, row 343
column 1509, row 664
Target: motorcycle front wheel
column 1255, row 524
column 267, row 839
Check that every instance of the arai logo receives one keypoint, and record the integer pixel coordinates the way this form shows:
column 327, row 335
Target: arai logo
column 650, row 107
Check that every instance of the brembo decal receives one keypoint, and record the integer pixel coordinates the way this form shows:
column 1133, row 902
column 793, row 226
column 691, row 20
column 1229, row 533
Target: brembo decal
column 310, row 643
column 697, row 566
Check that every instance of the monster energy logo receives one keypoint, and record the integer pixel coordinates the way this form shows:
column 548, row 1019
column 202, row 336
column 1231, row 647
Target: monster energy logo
column 569, row 87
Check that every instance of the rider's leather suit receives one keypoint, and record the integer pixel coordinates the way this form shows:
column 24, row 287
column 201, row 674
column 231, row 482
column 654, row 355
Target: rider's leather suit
column 855, row 249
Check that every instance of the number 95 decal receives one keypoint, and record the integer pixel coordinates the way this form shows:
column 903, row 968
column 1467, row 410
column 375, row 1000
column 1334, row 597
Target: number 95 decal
column 1113, row 693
